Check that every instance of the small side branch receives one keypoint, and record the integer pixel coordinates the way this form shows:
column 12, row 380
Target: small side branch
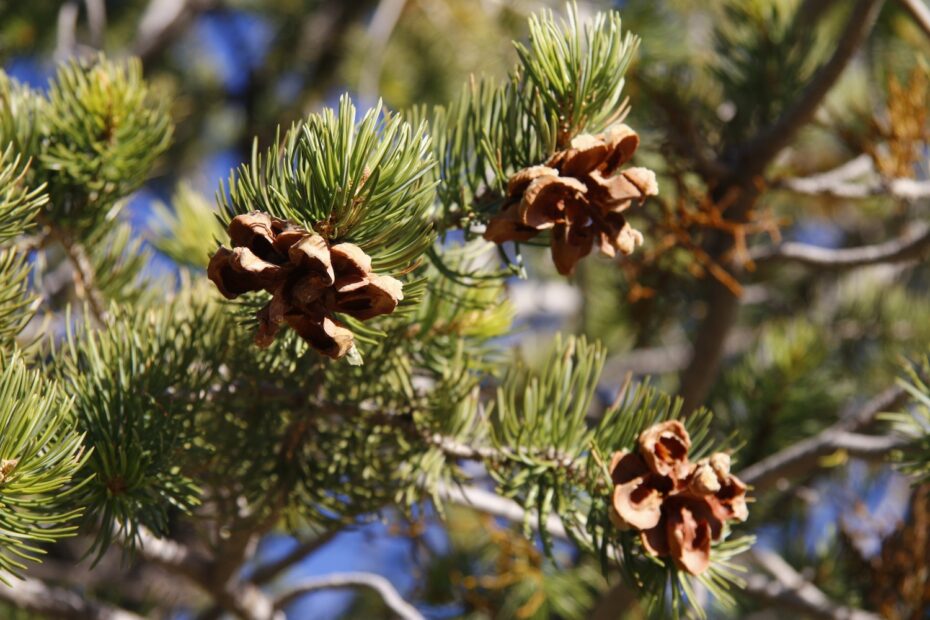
column 789, row 590
column 830, row 184
column 493, row 504
column 919, row 12
column 268, row 572
column 242, row 599
column 379, row 584
column 804, row 456
column 34, row 596
column 913, row 244
column 85, row 283
column 763, row 147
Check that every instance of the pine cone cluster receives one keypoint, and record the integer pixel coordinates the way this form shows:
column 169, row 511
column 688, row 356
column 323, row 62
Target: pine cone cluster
column 309, row 280
column 578, row 198
column 678, row 507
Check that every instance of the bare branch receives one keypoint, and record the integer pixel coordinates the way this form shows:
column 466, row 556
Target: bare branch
column 173, row 556
column 803, row 456
column 838, row 183
column 245, row 600
column 699, row 375
column 379, row 584
column 66, row 42
column 493, row 504
column 85, row 282
column 789, row 590
column 36, row 597
column 379, row 34
column 913, row 244
column 670, row 358
column 763, row 147
column 919, row 12
column 269, row 571
column 163, row 21
column 96, row 21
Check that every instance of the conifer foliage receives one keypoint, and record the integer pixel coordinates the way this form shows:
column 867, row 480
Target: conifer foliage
column 331, row 350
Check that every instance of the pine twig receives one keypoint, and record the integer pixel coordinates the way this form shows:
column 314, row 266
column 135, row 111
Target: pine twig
column 491, row 503
column 804, row 455
column 756, row 153
column 30, row 595
column 919, row 12
column 267, row 572
column 379, row 584
column 163, row 21
column 242, row 599
column 913, row 244
column 85, row 284
column 789, row 590
column 838, row 183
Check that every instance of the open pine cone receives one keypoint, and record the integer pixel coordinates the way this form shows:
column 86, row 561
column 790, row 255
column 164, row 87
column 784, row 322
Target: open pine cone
column 577, row 197
column 678, row 507
column 309, row 280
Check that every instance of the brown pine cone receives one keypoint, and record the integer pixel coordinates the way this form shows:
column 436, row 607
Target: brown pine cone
column 309, row 279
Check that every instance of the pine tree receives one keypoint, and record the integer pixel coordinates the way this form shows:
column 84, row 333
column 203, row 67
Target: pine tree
column 333, row 344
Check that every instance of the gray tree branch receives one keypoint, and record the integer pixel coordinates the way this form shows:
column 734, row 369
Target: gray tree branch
column 913, row 244
column 789, row 590
column 379, row 584
column 34, row 596
column 762, row 148
column 803, row 456
column 919, row 12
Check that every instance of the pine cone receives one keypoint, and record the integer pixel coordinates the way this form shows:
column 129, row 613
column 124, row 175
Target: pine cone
column 577, row 196
column 309, row 280
column 678, row 507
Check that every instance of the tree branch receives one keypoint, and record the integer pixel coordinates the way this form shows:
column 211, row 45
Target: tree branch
column 85, row 284
column 789, row 590
column 34, row 596
column 267, row 572
column 837, row 183
column 162, row 22
column 756, row 153
column 491, row 503
column 242, row 599
column 919, row 12
column 803, row 456
column 913, row 244
column 379, row 584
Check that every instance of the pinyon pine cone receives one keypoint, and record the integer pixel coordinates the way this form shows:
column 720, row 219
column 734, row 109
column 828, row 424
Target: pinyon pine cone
column 578, row 198
column 678, row 507
column 308, row 278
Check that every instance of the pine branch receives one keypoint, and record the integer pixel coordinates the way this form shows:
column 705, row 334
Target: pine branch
column 30, row 595
column 759, row 150
column 163, row 21
column 803, row 457
column 172, row 555
column 85, row 282
column 493, row 504
column 838, row 183
column 913, row 244
column 239, row 598
column 268, row 572
column 379, row 584
column 919, row 11
column 789, row 590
